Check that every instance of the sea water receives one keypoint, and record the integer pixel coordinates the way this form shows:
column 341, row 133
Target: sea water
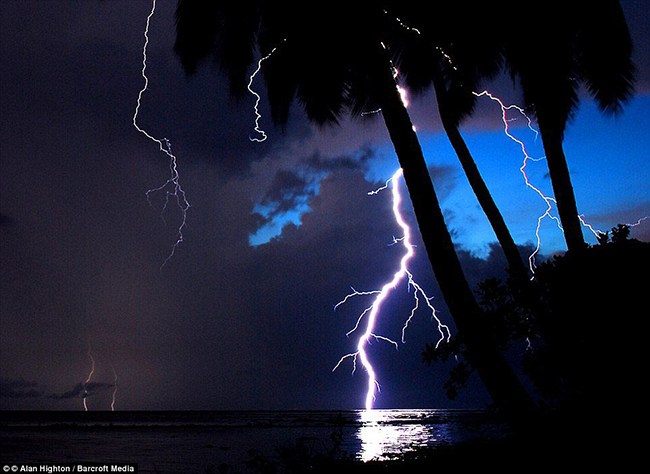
column 208, row 441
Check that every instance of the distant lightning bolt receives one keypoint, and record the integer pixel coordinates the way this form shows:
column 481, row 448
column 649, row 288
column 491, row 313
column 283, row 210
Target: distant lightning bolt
column 114, row 396
column 506, row 122
column 89, row 378
column 371, row 314
column 504, row 110
column 548, row 200
column 638, row 222
column 171, row 187
column 262, row 134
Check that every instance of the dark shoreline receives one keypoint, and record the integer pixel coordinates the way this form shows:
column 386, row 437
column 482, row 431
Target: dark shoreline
column 246, row 441
column 580, row 443
column 227, row 418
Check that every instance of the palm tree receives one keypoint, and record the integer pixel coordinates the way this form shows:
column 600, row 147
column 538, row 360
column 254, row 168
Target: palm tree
column 450, row 124
column 331, row 58
column 433, row 53
column 562, row 46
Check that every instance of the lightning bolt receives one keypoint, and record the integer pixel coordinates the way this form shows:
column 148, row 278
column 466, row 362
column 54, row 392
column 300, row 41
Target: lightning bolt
column 586, row 224
column 172, row 187
column 89, row 378
column 638, row 222
column 371, row 314
column 403, row 93
column 114, row 395
column 262, row 134
column 548, row 200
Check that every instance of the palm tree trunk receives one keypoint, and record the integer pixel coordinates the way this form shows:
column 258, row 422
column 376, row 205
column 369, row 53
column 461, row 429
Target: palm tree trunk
column 497, row 375
column 516, row 264
column 562, row 187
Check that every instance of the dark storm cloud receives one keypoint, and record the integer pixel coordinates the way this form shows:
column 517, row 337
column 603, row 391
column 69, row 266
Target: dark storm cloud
column 82, row 390
column 19, row 388
column 74, row 392
column 636, row 14
column 291, row 191
column 311, row 170
column 286, row 186
column 6, row 220
column 320, row 163
column 295, row 188
column 444, row 179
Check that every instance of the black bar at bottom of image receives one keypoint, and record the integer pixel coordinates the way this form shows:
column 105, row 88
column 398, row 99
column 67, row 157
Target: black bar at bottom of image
column 69, row 467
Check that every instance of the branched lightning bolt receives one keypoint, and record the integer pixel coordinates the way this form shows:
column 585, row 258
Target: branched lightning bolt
column 262, row 134
column 89, row 378
column 371, row 314
column 549, row 200
column 172, row 187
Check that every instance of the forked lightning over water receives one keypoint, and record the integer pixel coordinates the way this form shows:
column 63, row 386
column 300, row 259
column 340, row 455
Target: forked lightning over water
column 172, row 187
column 89, row 388
column 402, row 275
column 89, row 378
column 371, row 314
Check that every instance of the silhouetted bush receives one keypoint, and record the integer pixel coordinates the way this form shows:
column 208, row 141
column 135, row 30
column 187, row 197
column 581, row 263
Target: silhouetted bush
column 578, row 326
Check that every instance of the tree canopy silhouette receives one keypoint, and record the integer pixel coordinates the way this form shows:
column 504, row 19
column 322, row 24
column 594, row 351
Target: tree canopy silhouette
column 438, row 51
column 335, row 57
column 565, row 45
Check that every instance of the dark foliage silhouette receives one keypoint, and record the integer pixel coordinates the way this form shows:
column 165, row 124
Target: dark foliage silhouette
column 334, row 64
column 436, row 52
column 566, row 45
column 584, row 353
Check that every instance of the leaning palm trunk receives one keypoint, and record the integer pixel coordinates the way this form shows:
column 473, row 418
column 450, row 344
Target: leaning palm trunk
column 483, row 352
column 562, row 187
column 516, row 264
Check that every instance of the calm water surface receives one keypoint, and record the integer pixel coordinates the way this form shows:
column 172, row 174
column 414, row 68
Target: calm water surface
column 200, row 441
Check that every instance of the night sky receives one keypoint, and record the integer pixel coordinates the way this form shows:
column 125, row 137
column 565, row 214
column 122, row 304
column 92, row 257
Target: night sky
column 242, row 316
